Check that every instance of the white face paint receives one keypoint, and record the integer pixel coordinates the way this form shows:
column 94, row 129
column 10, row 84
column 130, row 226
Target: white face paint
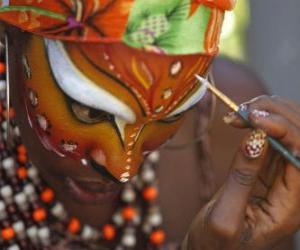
column 195, row 98
column 80, row 88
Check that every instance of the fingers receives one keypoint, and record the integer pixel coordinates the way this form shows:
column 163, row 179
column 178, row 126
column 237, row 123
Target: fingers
column 277, row 117
column 274, row 104
column 228, row 214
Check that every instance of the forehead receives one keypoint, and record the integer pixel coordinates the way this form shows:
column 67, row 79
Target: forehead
column 151, row 84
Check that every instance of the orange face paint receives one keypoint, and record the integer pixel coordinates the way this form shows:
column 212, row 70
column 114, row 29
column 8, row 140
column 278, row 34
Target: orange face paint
column 108, row 80
column 152, row 87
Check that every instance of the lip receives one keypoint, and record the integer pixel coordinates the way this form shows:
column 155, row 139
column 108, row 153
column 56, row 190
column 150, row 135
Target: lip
column 92, row 192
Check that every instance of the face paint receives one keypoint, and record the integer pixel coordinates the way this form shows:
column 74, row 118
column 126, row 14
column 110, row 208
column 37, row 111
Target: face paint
column 110, row 80
column 107, row 103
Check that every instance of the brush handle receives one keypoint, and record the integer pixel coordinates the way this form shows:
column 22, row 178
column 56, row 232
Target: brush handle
column 273, row 142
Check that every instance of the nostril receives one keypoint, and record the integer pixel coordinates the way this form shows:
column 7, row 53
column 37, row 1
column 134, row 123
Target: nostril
column 103, row 171
column 98, row 156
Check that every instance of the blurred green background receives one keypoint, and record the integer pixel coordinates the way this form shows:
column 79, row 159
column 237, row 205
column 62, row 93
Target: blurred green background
column 234, row 31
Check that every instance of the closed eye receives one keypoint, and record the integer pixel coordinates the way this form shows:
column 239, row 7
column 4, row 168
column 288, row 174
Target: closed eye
column 88, row 115
column 80, row 88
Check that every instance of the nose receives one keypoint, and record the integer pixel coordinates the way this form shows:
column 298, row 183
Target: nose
column 119, row 161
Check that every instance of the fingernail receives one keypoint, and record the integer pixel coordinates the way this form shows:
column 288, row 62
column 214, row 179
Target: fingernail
column 230, row 117
column 254, row 146
column 260, row 113
column 243, row 107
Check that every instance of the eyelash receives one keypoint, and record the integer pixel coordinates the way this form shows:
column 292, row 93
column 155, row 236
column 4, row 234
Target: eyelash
column 88, row 115
column 172, row 119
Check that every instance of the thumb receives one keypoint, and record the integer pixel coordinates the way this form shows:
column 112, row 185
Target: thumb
column 228, row 213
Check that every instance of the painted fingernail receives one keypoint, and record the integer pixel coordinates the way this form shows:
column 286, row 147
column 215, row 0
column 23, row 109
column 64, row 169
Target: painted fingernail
column 230, row 117
column 260, row 113
column 243, row 107
column 254, row 146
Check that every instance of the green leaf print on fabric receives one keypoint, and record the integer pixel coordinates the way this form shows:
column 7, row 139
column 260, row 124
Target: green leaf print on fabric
column 167, row 26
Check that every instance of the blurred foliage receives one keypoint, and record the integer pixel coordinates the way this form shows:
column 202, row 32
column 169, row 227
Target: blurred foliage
column 234, row 31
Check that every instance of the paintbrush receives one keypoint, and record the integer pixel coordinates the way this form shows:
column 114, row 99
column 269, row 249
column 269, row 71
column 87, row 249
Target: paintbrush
column 244, row 115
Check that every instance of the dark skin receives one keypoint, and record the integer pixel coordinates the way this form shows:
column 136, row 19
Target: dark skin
column 178, row 218
column 256, row 207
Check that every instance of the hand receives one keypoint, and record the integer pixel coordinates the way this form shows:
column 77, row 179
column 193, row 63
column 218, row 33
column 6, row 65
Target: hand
column 240, row 216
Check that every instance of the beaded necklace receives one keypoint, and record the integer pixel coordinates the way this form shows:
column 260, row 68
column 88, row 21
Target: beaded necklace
column 31, row 217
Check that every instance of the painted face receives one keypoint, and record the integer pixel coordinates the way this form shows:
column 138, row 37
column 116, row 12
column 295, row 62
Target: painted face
column 109, row 104
column 109, row 81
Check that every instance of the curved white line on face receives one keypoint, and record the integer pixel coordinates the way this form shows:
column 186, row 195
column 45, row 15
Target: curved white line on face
column 76, row 85
column 196, row 97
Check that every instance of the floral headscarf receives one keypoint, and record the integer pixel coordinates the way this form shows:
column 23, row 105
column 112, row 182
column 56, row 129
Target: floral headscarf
column 162, row 26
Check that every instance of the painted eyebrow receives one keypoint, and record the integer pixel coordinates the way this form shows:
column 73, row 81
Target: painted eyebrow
column 80, row 88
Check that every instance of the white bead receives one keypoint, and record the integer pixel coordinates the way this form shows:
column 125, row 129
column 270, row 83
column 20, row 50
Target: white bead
column 148, row 175
column 14, row 247
column 9, row 166
column 44, row 235
column 88, row 233
column 4, row 127
column 155, row 219
column 129, row 240
column 128, row 195
column 33, row 174
column 32, row 233
column 154, row 157
column 17, row 131
column 30, row 192
column 59, row 211
column 19, row 228
column 118, row 219
column 137, row 220
column 2, row 85
column 21, row 201
column 3, row 213
column 8, row 163
column 7, row 192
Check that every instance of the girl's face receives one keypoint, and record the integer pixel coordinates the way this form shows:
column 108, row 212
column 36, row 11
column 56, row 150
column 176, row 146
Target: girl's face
column 100, row 106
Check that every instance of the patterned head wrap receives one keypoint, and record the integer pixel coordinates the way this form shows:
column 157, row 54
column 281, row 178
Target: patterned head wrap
column 164, row 26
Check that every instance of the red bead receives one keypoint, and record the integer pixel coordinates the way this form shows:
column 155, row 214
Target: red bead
column 109, row 232
column 2, row 68
column 22, row 158
column 39, row 214
column 47, row 195
column 8, row 233
column 21, row 149
column 157, row 237
column 11, row 113
column 150, row 193
column 128, row 213
column 74, row 226
column 22, row 173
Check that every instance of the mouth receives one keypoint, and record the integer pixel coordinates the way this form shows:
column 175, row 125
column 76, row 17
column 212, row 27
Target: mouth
column 103, row 172
column 92, row 191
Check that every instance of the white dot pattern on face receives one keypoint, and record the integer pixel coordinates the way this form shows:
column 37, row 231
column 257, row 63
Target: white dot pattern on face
column 42, row 121
column 33, row 98
column 176, row 68
column 112, row 67
column 126, row 175
column 69, row 146
column 167, row 94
